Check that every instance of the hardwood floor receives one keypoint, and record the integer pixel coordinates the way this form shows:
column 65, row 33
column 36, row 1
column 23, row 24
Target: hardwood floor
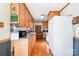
column 40, row 46
column 41, row 49
column 31, row 47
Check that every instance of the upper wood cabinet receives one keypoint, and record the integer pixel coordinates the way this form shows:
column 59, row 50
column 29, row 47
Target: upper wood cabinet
column 45, row 24
column 75, row 20
column 27, row 18
column 16, row 5
column 30, row 21
column 24, row 16
column 53, row 13
column 22, row 20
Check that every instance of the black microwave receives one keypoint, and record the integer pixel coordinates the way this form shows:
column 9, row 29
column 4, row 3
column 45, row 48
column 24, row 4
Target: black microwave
column 22, row 34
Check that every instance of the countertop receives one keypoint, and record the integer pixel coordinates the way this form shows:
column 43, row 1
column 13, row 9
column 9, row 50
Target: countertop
column 26, row 37
column 76, row 38
column 4, row 40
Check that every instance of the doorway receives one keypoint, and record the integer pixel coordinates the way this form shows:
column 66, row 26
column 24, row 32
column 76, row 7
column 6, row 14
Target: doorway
column 37, row 28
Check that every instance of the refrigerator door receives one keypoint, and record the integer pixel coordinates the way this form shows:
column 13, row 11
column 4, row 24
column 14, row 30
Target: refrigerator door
column 61, row 36
column 50, row 35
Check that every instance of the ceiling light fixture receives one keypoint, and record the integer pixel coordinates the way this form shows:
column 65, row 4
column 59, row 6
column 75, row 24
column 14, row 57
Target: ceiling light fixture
column 42, row 16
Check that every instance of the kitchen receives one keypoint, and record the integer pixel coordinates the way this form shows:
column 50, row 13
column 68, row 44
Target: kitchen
column 31, row 23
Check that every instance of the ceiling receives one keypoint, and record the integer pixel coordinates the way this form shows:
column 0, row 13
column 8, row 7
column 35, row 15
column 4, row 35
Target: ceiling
column 36, row 9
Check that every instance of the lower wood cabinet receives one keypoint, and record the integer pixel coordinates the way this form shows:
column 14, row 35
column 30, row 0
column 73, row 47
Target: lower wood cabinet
column 19, row 47
column 23, row 47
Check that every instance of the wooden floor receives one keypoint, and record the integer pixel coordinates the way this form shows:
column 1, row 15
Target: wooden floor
column 41, row 49
column 37, row 46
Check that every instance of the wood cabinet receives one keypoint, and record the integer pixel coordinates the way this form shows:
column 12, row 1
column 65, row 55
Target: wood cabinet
column 24, row 46
column 24, row 16
column 45, row 24
column 1, row 24
column 22, row 20
column 27, row 18
column 19, row 47
column 76, row 20
column 16, row 6
column 53, row 13
column 30, row 21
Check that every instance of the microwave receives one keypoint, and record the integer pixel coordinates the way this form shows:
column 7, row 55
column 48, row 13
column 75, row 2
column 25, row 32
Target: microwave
column 22, row 34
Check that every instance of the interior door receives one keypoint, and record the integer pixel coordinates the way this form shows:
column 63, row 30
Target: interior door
column 38, row 28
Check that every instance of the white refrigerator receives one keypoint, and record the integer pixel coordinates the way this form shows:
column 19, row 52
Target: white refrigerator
column 60, row 33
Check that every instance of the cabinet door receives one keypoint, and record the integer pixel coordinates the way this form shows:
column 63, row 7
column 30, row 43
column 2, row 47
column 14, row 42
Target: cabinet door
column 16, row 5
column 22, row 16
column 45, row 24
column 21, row 47
column 27, row 18
column 30, row 21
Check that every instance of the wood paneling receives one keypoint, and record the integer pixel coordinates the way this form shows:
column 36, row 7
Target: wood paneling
column 53, row 13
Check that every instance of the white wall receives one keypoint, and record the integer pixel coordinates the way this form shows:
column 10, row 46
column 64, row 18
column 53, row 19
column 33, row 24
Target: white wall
column 72, row 9
column 5, row 18
column 38, row 23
